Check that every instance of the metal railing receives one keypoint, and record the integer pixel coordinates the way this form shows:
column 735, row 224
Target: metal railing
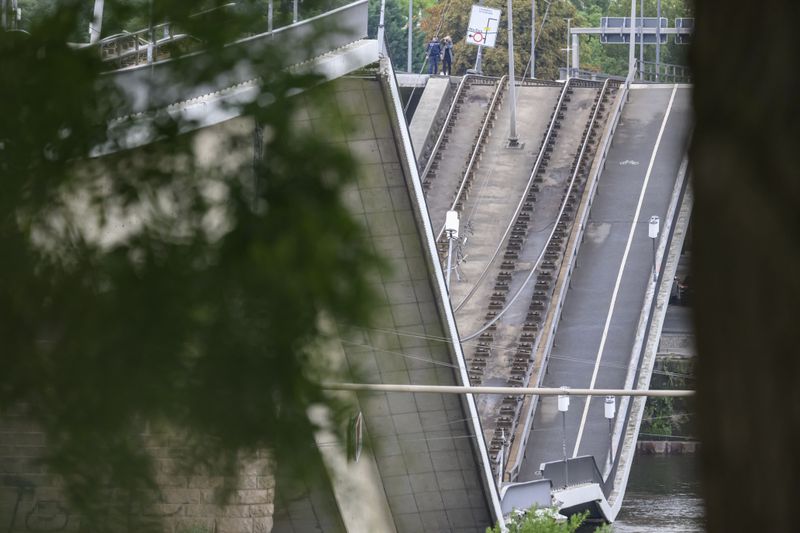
column 663, row 72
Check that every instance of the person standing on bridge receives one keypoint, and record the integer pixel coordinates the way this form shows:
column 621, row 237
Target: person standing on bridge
column 434, row 51
column 447, row 56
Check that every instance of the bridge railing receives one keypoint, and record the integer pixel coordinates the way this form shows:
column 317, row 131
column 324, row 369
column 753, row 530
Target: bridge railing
column 160, row 84
column 663, row 72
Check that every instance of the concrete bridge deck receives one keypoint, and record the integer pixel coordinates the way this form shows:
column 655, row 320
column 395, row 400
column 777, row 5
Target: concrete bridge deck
column 595, row 338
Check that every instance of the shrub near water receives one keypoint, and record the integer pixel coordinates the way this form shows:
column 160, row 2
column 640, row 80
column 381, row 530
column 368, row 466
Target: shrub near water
column 533, row 522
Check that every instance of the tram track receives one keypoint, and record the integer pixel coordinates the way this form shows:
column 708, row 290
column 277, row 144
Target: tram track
column 477, row 147
column 503, row 414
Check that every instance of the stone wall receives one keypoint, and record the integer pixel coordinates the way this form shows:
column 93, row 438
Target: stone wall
column 32, row 500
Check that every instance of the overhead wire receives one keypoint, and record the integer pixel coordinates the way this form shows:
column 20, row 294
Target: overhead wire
column 503, row 351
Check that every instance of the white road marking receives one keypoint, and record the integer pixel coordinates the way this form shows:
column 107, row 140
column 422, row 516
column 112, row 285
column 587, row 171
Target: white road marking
column 613, row 303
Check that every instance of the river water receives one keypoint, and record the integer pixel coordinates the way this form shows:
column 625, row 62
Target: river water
column 663, row 496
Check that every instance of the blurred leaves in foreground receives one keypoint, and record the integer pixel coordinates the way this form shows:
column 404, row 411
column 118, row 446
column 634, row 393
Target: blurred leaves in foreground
column 184, row 283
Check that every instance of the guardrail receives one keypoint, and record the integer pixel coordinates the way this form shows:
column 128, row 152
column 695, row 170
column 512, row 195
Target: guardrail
column 160, row 84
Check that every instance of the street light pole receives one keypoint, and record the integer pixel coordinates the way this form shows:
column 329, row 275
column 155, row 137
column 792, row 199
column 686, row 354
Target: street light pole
column 410, row 33
column 513, row 140
column 533, row 39
column 658, row 37
column 632, row 40
column 641, row 40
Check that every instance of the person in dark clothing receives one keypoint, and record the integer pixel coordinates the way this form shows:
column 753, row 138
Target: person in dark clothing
column 447, row 56
column 434, row 51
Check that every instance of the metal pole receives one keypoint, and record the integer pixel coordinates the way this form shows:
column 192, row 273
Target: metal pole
column 479, row 55
column 569, row 71
column 576, row 53
column 508, row 391
column 269, row 16
column 533, row 39
column 641, row 40
column 631, row 50
column 294, row 13
column 655, row 272
column 410, row 34
column 96, row 25
column 564, row 446
column 512, row 136
column 449, row 260
column 658, row 37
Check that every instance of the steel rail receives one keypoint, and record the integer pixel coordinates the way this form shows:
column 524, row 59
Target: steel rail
column 517, row 211
column 555, row 223
column 447, row 119
column 477, row 147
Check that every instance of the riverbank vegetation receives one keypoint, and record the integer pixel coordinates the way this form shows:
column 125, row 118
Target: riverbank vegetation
column 546, row 521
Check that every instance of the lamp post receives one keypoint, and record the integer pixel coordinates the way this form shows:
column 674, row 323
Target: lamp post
column 533, row 38
column 563, row 407
column 610, row 410
column 658, row 37
column 410, row 34
column 652, row 232
column 641, row 40
column 513, row 140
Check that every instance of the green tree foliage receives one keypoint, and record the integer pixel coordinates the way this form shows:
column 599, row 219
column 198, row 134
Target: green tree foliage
column 177, row 285
column 452, row 18
column 540, row 521
column 613, row 59
column 396, row 27
column 544, row 521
